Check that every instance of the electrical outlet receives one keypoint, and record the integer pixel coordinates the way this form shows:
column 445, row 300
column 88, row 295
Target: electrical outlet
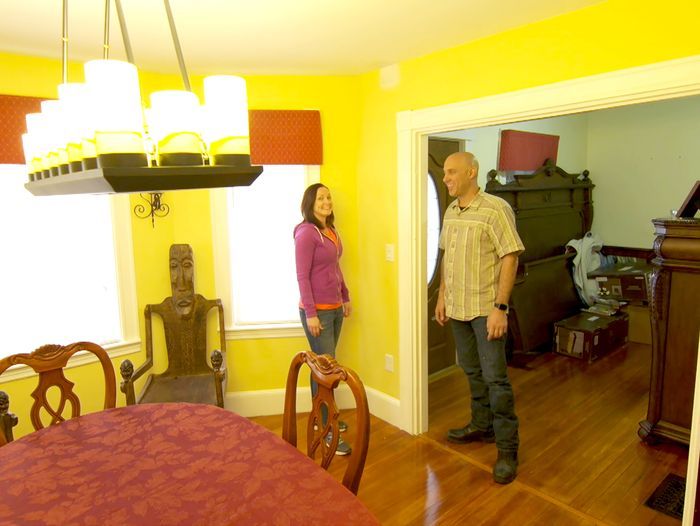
column 389, row 363
column 389, row 252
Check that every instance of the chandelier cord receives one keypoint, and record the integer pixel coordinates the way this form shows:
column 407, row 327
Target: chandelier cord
column 125, row 38
column 105, row 39
column 176, row 43
column 125, row 32
column 64, row 43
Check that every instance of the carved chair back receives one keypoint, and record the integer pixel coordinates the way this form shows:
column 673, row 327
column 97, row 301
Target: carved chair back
column 188, row 377
column 328, row 374
column 48, row 361
column 186, row 336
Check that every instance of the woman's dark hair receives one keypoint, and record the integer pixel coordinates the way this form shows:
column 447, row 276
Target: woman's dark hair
column 307, row 207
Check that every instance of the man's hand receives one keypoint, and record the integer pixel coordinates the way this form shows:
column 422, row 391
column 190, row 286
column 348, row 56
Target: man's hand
column 496, row 324
column 440, row 316
column 314, row 325
column 347, row 309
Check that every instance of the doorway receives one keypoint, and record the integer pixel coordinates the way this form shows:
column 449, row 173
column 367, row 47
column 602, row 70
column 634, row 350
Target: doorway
column 634, row 85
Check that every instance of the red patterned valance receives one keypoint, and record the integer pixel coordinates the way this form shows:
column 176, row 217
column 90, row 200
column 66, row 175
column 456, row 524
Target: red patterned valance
column 285, row 137
column 276, row 136
column 12, row 111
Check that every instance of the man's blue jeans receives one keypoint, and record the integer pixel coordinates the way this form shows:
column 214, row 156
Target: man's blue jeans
column 484, row 362
column 325, row 343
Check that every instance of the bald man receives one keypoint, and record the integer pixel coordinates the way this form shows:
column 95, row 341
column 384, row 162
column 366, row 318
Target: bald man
column 481, row 246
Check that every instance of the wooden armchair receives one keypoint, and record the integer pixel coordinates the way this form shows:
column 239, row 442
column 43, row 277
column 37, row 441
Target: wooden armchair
column 328, row 374
column 188, row 377
column 48, row 361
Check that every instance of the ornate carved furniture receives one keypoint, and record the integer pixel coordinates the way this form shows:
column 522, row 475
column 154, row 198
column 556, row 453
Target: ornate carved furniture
column 551, row 207
column 328, row 374
column 188, row 377
column 675, row 317
column 48, row 361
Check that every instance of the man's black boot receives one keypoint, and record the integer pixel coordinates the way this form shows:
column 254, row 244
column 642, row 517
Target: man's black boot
column 506, row 467
column 463, row 435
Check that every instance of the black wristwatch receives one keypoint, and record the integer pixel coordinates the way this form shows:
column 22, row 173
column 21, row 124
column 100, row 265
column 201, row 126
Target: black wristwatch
column 501, row 306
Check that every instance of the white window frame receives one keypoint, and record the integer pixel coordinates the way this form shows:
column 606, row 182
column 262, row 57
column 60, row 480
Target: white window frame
column 126, row 290
column 222, row 274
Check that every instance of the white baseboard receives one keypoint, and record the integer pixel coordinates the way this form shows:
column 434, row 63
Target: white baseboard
column 271, row 402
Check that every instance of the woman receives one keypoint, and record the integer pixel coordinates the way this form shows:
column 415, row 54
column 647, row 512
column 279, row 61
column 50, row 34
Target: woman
column 325, row 300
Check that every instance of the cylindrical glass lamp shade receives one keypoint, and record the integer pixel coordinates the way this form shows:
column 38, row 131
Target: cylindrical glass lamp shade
column 75, row 110
column 174, row 123
column 226, row 129
column 40, row 148
column 115, row 100
column 55, row 140
column 34, row 167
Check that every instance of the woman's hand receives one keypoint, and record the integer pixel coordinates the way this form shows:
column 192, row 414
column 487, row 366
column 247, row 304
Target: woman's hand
column 314, row 326
column 347, row 309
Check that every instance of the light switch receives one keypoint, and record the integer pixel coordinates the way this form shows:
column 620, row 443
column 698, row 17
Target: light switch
column 389, row 363
column 389, row 252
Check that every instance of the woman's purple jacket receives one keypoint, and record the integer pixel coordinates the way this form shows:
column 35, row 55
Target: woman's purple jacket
column 318, row 272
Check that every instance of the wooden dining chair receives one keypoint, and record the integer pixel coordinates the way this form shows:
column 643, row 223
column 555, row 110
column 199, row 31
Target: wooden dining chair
column 328, row 374
column 48, row 361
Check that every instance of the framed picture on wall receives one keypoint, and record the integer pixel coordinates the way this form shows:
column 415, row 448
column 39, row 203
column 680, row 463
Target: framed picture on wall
column 691, row 204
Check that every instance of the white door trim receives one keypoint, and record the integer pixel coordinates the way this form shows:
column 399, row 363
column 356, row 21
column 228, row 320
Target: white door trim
column 665, row 80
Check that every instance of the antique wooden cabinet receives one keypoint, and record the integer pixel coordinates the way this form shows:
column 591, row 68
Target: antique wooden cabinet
column 551, row 208
column 675, row 318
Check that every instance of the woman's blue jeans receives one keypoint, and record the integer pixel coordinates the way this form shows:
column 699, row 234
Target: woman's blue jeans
column 484, row 362
column 325, row 343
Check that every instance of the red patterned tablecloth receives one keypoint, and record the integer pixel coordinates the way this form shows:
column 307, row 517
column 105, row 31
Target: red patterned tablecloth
column 169, row 464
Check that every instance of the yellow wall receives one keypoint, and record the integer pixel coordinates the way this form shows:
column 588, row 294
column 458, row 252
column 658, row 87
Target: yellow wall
column 359, row 133
column 605, row 37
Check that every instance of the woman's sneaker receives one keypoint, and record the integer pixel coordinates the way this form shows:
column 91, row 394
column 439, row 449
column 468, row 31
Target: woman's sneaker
column 342, row 426
column 343, row 448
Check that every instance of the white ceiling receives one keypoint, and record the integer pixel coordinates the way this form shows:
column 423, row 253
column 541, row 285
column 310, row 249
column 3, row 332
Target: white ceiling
column 268, row 36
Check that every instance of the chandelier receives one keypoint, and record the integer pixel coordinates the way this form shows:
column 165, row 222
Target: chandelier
column 99, row 136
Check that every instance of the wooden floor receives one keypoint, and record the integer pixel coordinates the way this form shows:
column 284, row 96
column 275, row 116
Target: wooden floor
column 581, row 462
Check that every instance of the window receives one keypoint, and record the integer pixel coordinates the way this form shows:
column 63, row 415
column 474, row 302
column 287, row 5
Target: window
column 254, row 252
column 433, row 231
column 62, row 279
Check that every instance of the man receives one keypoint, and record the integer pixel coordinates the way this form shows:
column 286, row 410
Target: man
column 481, row 248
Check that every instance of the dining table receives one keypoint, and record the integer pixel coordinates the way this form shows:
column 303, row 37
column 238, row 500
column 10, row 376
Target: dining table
column 167, row 464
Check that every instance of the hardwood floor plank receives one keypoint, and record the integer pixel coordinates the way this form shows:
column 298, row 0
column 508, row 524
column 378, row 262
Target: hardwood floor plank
column 581, row 462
